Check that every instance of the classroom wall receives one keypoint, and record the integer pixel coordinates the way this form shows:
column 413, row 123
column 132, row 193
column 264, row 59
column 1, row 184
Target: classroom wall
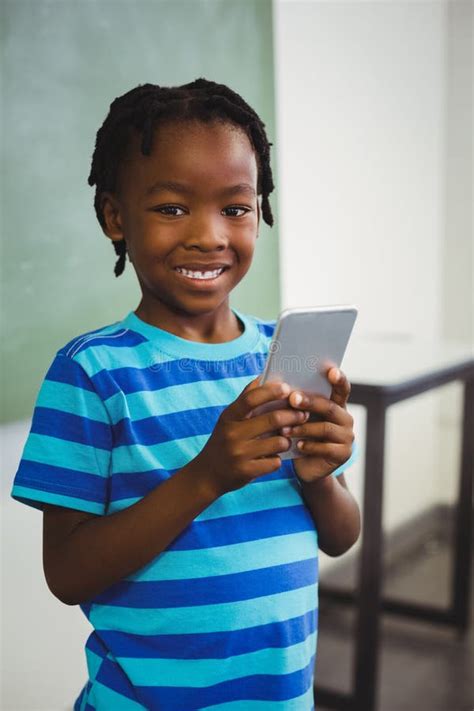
column 63, row 64
column 374, row 131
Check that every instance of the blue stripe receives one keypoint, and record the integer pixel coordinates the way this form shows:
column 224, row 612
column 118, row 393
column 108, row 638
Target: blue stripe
column 298, row 703
column 121, row 496
column 266, row 687
column 66, row 370
column 138, row 406
column 133, row 485
column 73, row 428
column 96, row 645
column 47, row 477
column 157, row 376
column 246, row 527
column 78, row 704
column 214, row 589
column 94, row 662
column 105, row 699
column 61, row 453
column 270, row 491
column 223, row 560
column 206, row 618
column 186, row 423
column 111, row 675
column 210, row 644
column 36, row 497
column 205, row 672
column 73, row 400
column 266, row 327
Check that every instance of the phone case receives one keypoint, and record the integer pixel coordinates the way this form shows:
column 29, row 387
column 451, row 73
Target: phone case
column 306, row 343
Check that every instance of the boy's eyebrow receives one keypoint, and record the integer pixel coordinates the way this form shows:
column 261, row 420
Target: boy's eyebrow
column 163, row 185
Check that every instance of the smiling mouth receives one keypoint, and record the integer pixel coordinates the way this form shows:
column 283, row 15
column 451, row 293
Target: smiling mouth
column 200, row 280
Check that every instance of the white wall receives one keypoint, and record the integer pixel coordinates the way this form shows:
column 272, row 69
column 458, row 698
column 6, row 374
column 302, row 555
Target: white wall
column 364, row 137
column 457, row 317
column 43, row 658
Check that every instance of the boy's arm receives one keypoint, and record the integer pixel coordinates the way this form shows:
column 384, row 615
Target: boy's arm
column 335, row 513
column 82, row 559
column 333, row 508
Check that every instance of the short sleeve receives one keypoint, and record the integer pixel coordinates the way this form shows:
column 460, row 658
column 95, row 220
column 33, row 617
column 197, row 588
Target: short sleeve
column 349, row 462
column 67, row 454
column 342, row 468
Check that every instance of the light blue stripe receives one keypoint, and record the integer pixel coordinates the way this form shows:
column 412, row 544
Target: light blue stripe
column 255, row 496
column 103, row 357
column 122, row 504
column 101, row 697
column 205, row 672
column 66, row 398
column 93, row 663
column 66, row 454
column 182, row 347
column 301, row 703
column 166, row 455
column 177, row 453
column 225, row 560
column 222, row 617
column 258, row 495
column 176, row 398
column 145, row 355
column 30, row 496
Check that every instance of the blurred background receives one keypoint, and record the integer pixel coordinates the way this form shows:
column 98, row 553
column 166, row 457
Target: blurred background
column 369, row 108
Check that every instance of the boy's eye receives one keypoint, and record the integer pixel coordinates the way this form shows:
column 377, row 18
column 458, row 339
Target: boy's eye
column 236, row 207
column 167, row 210
column 170, row 210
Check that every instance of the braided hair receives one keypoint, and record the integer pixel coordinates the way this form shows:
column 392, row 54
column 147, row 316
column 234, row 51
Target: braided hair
column 143, row 107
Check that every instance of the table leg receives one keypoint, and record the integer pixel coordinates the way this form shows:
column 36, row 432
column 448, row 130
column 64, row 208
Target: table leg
column 370, row 568
column 463, row 523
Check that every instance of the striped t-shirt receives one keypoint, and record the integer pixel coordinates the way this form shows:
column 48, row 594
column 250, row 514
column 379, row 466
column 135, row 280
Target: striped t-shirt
column 226, row 616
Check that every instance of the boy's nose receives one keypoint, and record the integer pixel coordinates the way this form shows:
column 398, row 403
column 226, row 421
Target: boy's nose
column 207, row 243
column 207, row 235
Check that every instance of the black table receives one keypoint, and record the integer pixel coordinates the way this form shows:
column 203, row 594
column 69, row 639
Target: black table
column 377, row 383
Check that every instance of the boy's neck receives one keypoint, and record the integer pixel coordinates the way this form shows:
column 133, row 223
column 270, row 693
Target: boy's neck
column 217, row 327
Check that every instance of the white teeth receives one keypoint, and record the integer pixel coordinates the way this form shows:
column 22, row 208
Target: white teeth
column 200, row 275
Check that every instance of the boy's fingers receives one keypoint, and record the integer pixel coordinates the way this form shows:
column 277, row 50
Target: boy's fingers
column 242, row 408
column 251, row 386
column 341, row 387
column 321, row 407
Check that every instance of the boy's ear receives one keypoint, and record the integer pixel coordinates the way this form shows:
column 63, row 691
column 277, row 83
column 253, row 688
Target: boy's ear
column 259, row 214
column 110, row 207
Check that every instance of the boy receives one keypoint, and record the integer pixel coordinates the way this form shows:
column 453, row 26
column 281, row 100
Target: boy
column 189, row 545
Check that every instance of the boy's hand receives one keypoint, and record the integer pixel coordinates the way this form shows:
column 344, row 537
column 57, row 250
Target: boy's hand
column 328, row 434
column 235, row 453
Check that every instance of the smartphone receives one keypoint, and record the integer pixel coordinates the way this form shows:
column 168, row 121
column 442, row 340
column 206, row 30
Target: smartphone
column 306, row 344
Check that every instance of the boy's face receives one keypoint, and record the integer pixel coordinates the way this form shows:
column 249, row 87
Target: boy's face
column 210, row 215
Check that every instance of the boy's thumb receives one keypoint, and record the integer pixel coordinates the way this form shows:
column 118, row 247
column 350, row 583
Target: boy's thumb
column 257, row 381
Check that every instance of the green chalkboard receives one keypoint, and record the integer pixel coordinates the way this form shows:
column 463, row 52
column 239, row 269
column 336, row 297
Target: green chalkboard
column 63, row 63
